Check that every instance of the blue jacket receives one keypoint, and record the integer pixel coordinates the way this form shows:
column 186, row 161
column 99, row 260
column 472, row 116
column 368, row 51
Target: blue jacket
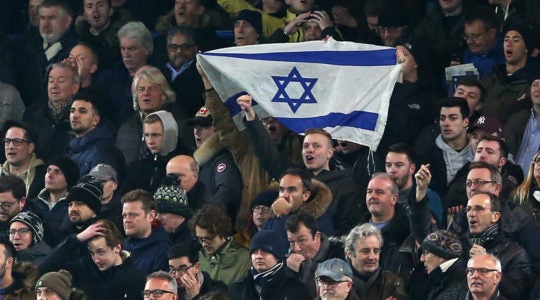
column 97, row 147
column 149, row 254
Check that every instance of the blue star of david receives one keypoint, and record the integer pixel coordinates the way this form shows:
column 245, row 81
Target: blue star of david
column 283, row 81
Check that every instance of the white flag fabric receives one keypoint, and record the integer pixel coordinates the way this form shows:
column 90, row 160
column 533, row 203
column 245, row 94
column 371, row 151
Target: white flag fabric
column 341, row 87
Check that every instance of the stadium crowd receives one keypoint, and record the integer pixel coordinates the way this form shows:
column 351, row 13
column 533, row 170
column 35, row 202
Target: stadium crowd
column 124, row 175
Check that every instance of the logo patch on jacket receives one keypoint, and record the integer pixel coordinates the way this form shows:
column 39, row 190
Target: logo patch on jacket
column 221, row 167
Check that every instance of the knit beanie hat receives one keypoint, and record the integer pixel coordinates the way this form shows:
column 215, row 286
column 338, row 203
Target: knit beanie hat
column 252, row 17
column 526, row 32
column 59, row 282
column 68, row 167
column 171, row 198
column 89, row 193
column 33, row 222
column 265, row 198
column 443, row 243
column 269, row 241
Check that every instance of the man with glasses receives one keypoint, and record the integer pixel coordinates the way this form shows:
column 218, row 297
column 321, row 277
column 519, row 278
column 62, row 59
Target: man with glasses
column 185, row 267
column 221, row 256
column 21, row 159
column 160, row 285
column 334, row 280
column 484, row 49
column 12, row 200
column 362, row 249
column 181, row 71
column 484, row 232
column 484, row 274
column 268, row 277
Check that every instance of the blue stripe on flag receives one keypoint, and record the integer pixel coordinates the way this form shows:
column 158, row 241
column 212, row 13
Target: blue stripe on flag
column 385, row 57
column 359, row 119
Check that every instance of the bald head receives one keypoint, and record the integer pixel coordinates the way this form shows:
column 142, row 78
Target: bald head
column 187, row 170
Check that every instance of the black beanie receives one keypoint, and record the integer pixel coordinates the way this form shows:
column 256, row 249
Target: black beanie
column 88, row 193
column 252, row 17
column 33, row 222
column 68, row 167
column 269, row 241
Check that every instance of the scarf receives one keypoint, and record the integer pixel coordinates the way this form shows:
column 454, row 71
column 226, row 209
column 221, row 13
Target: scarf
column 59, row 111
column 263, row 279
column 483, row 238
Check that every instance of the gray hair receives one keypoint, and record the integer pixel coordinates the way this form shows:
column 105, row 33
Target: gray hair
column 393, row 188
column 137, row 30
column 497, row 261
column 74, row 75
column 153, row 76
column 358, row 233
column 165, row 276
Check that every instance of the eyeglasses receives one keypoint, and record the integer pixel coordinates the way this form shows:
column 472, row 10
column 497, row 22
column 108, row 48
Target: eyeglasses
column 182, row 47
column 322, row 283
column 536, row 160
column 180, row 270
column 481, row 271
column 22, row 231
column 150, row 89
column 7, row 205
column 473, row 36
column 156, row 293
column 478, row 182
column 206, row 239
column 16, row 142
column 261, row 209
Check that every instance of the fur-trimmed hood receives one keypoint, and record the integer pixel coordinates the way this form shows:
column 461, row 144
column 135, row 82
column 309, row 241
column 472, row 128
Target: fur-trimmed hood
column 321, row 197
column 26, row 273
column 210, row 148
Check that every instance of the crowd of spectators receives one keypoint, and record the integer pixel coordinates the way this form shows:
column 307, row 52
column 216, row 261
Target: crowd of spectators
column 124, row 176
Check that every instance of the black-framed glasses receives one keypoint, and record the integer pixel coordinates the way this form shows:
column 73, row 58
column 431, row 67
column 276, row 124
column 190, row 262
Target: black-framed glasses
column 481, row 271
column 7, row 205
column 478, row 182
column 182, row 47
column 206, row 239
column 16, row 142
column 180, row 270
column 156, row 293
column 22, row 231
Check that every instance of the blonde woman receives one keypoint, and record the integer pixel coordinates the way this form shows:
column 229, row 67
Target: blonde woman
column 527, row 195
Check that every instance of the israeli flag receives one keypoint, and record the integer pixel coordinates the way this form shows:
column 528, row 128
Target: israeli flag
column 342, row 87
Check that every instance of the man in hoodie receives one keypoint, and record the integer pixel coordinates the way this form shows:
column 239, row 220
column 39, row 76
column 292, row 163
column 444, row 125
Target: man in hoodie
column 161, row 138
column 94, row 137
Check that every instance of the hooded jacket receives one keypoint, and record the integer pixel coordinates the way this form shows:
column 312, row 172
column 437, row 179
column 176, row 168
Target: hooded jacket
column 316, row 206
column 34, row 177
column 96, row 147
column 227, row 264
column 146, row 173
column 25, row 276
column 219, row 173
